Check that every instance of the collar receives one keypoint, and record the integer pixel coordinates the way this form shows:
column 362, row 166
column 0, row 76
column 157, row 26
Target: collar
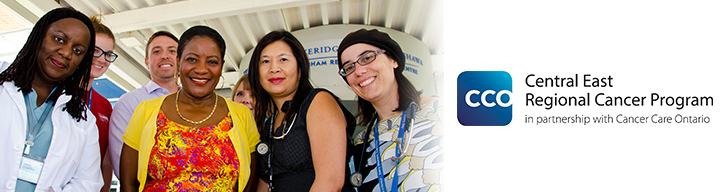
column 17, row 96
column 152, row 87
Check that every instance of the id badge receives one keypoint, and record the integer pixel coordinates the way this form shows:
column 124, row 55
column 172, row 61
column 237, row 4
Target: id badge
column 30, row 167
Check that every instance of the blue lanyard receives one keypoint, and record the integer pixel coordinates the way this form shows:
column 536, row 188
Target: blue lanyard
column 90, row 95
column 34, row 126
column 378, row 159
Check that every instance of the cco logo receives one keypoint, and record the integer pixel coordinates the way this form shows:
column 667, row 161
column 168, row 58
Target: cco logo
column 484, row 98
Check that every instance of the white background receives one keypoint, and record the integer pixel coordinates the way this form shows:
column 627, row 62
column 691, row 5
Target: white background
column 674, row 48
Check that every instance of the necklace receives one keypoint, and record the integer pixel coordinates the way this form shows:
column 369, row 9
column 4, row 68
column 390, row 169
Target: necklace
column 196, row 122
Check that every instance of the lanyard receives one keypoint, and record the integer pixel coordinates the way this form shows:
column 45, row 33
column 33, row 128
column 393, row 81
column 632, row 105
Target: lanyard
column 34, row 125
column 269, row 164
column 269, row 158
column 271, row 136
column 90, row 95
column 378, row 159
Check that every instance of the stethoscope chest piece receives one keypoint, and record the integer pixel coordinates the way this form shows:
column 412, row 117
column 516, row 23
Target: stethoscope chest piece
column 262, row 148
column 356, row 179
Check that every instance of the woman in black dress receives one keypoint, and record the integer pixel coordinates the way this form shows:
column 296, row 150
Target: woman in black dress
column 305, row 149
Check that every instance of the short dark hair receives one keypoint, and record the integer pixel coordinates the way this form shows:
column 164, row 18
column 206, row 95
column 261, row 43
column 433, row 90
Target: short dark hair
column 22, row 70
column 158, row 34
column 203, row 31
column 264, row 104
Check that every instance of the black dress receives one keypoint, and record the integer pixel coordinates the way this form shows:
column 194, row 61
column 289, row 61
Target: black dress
column 292, row 166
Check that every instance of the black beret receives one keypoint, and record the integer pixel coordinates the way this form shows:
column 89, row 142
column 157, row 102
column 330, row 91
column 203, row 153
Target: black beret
column 374, row 38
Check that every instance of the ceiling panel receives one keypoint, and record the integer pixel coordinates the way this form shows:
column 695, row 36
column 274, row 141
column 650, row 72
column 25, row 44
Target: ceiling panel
column 243, row 22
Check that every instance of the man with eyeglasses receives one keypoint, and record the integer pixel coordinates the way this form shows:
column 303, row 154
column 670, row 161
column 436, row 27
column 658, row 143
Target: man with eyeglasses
column 161, row 62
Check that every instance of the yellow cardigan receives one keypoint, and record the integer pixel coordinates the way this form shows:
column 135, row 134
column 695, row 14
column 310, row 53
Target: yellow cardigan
column 141, row 131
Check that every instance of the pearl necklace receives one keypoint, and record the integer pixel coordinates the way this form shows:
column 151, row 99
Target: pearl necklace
column 216, row 97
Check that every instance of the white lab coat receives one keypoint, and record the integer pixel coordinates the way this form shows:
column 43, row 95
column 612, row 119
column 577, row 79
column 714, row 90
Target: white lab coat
column 73, row 161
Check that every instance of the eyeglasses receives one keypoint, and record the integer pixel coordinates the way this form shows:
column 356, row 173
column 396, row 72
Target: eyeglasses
column 110, row 56
column 364, row 59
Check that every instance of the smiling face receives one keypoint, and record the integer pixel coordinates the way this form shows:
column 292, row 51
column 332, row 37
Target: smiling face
column 278, row 71
column 100, row 65
column 200, row 66
column 161, row 59
column 64, row 45
column 374, row 81
column 244, row 97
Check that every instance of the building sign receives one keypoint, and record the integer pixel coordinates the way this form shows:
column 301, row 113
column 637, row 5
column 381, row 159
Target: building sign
column 321, row 45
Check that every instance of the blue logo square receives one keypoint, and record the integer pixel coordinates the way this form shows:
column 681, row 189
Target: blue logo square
column 484, row 98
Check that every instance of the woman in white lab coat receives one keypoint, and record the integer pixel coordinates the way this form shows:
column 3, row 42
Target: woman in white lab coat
column 49, row 139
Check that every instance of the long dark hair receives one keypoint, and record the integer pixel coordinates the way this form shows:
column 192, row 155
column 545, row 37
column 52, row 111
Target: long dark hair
column 406, row 91
column 264, row 105
column 406, row 94
column 22, row 70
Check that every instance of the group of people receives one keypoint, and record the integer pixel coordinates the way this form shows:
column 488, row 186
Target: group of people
column 277, row 133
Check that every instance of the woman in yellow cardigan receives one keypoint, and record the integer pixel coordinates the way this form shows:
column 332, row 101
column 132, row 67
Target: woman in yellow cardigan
column 192, row 140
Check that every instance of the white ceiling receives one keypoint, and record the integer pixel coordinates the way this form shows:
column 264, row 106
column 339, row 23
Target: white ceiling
column 241, row 22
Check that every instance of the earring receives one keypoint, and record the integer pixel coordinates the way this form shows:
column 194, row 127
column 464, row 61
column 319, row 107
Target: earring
column 223, row 80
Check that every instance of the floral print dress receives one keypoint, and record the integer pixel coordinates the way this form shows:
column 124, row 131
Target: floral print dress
column 192, row 158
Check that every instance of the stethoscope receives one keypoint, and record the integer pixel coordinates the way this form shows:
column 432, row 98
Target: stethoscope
column 408, row 116
column 263, row 148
